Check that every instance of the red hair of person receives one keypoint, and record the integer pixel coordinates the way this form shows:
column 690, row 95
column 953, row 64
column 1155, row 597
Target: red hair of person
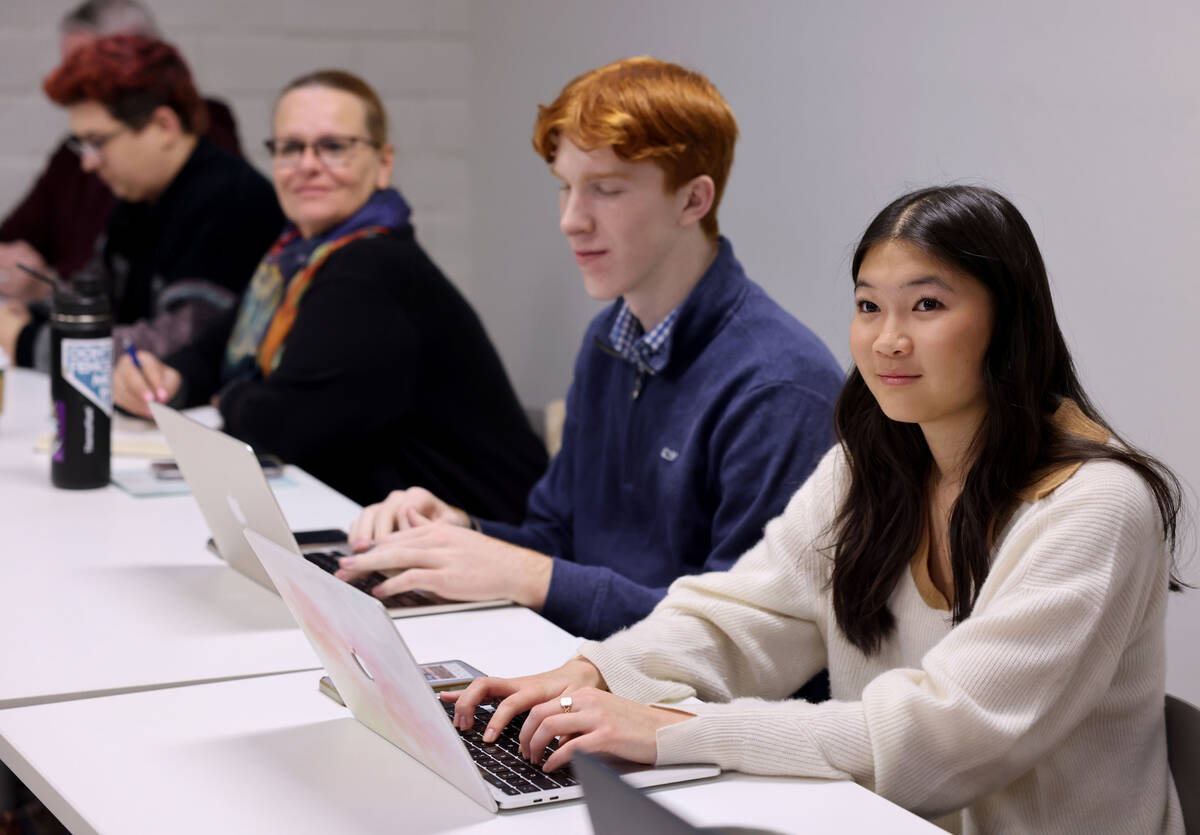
column 131, row 76
column 646, row 109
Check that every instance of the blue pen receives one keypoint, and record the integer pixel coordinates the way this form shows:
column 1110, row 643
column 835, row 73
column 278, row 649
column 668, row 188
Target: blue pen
column 132, row 351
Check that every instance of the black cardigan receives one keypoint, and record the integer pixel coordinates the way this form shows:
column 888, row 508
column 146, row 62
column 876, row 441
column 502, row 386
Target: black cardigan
column 387, row 380
column 213, row 223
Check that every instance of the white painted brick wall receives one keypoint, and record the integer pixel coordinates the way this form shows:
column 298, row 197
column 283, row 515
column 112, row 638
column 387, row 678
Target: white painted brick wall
column 30, row 124
column 416, row 53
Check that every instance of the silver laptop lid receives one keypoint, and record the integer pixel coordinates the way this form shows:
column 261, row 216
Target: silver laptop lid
column 371, row 666
column 229, row 485
column 224, row 475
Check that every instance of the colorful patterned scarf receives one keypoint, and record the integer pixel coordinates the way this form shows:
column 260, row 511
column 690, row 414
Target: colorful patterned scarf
column 272, row 301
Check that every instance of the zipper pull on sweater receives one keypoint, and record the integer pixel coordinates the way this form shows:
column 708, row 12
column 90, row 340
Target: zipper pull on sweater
column 637, row 383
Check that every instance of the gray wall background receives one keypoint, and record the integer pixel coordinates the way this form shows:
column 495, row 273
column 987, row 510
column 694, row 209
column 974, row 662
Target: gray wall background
column 1086, row 114
column 416, row 53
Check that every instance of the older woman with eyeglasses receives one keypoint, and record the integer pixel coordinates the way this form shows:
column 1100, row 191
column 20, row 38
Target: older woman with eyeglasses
column 351, row 354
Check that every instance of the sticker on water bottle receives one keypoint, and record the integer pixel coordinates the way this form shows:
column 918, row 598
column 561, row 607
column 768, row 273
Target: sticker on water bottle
column 87, row 367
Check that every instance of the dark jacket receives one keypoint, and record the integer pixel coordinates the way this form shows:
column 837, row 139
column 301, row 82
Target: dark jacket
column 682, row 477
column 212, row 224
column 174, row 266
column 387, row 380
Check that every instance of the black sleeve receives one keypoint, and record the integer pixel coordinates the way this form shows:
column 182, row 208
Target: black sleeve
column 222, row 243
column 199, row 363
column 344, row 363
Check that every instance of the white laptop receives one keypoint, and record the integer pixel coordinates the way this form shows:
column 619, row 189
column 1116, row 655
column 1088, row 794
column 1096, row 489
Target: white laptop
column 384, row 688
column 224, row 475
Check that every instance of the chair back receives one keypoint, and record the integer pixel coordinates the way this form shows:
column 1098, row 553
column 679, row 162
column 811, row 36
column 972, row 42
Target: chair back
column 548, row 423
column 1183, row 753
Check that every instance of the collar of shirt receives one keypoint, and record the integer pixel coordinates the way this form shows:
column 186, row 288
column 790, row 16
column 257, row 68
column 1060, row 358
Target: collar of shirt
column 651, row 351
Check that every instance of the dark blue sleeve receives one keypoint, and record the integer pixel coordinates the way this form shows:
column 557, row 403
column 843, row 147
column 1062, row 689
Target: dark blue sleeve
column 761, row 451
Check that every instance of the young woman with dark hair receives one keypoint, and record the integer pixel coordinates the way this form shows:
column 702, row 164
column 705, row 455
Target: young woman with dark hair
column 981, row 562
column 1028, row 378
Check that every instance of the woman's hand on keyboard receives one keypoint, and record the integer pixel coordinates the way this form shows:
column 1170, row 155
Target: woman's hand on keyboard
column 517, row 695
column 592, row 720
column 598, row 722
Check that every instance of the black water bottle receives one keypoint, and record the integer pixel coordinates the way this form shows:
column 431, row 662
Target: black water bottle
column 81, row 363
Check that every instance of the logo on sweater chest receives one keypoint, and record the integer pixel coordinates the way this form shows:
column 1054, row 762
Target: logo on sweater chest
column 667, row 454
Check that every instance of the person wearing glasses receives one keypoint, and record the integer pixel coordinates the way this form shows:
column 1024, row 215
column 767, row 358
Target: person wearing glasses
column 192, row 219
column 351, row 354
column 55, row 225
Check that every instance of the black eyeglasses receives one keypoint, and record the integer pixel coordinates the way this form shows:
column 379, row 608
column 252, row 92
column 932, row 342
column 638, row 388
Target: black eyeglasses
column 334, row 151
column 93, row 143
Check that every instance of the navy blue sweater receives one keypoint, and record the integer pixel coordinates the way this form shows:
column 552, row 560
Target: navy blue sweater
column 681, row 478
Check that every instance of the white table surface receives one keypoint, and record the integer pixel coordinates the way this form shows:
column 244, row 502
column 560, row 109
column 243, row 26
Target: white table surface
column 272, row 754
column 104, row 593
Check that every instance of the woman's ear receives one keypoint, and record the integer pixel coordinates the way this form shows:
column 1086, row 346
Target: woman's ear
column 387, row 158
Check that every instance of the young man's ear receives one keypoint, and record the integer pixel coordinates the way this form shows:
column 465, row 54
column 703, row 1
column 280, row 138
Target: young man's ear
column 166, row 121
column 698, row 199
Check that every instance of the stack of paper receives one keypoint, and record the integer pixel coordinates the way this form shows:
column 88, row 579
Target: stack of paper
column 139, row 438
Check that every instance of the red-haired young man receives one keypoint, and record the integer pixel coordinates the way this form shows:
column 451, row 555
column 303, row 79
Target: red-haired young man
column 698, row 405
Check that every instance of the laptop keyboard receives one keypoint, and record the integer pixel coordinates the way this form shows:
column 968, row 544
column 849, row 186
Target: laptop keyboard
column 328, row 561
column 499, row 762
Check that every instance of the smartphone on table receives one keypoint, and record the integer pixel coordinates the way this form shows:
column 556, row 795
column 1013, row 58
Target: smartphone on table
column 440, row 675
column 165, row 469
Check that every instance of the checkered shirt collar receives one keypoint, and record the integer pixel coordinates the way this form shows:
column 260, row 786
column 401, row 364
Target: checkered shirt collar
column 648, row 351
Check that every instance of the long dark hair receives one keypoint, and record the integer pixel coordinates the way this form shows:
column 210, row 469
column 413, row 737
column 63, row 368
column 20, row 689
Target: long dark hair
column 1027, row 374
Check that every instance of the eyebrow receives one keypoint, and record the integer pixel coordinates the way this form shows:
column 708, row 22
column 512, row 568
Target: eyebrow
column 602, row 175
column 924, row 281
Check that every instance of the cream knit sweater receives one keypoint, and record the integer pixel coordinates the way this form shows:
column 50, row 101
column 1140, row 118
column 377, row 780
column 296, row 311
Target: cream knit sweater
column 1042, row 712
